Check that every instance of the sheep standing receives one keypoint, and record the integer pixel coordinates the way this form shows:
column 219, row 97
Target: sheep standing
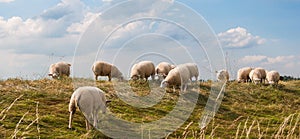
column 179, row 76
column 59, row 69
column 143, row 69
column 273, row 77
column 163, row 68
column 243, row 74
column 258, row 75
column 193, row 69
column 223, row 75
column 101, row 68
column 89, row 100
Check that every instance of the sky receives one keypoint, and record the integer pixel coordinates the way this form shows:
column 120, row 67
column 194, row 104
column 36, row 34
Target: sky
column 215, row 34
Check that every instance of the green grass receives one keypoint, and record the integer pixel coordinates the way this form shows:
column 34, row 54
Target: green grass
column 39, row 108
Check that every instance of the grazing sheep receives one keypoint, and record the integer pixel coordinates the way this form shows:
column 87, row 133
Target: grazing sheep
column 89, row 100
column 258, row 75
column 163, row 68
column 59, row 69
column 178, row 76
column 243, row 74
column 143, row 69
column 193, row 69
column 222, row 75
column 273, row 77
column 101, row 68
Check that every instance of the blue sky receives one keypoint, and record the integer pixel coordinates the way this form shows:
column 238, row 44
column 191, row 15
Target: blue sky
column 35, row 33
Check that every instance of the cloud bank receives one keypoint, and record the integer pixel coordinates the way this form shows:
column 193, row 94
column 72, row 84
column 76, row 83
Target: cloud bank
column 6, row 1
column 286, row 65
column 239, row 38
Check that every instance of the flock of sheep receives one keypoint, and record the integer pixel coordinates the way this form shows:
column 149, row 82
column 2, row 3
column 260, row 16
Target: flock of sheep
column 90, row 100
column 258, row 75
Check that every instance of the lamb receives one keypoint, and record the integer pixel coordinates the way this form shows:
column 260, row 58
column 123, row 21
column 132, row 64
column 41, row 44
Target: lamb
column 222, row 75
column 179, row 76
column 258, row 75
column 273, row 77
column 163, row 68
column 59, row 69
column 89, row 100
column 193, row 70
column 143, row 69
column 101, row 68
column 243, row 74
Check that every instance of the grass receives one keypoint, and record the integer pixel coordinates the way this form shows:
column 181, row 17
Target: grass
column 39, row 109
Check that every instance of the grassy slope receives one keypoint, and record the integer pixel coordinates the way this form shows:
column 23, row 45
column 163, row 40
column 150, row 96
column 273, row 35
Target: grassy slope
column 39, row 108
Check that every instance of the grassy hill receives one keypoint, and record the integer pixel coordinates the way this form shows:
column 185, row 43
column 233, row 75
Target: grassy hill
column 39, row 108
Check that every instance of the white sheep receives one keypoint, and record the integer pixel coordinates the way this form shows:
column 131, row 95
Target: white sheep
column 193, row 69
column 59, row 69
column 163, row 68
column 222, row 75
column 273, row 77
column 143, row 69
column 89, row 100
column 101, row 68
column 258, row 75
column 179, row 76
column 243, row 74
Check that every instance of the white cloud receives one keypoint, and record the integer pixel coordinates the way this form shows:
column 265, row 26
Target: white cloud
column 81, row 26
column 286, row 65
column 279, row 59
column 107, row 0
column 52, row 25
column 16, row 27
column 252, row 59
column 6, row 1
column 239, row 38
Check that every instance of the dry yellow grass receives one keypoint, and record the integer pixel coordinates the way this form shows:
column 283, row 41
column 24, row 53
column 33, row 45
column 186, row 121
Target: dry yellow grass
column 39, row 109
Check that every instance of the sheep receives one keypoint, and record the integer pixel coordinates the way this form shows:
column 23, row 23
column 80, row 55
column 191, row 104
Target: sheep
column 222, row 75
column 179, row 76
column 89, row 100
column 193, row 69
column 243, row 74
column 273, row 77
column 59, row 69
column 163, row 68
column 101, row 68
column 143, row 69
column 258, row 75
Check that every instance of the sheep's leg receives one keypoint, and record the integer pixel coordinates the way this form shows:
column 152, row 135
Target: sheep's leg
column 185, row 87
column 87, row 125
column 95, row 118
column 153, row 77
column 71, row 119
column 96, row 77
column 109, row 77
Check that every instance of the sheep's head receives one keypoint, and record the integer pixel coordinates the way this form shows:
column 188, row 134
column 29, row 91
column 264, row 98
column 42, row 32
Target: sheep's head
column 164, row 84
column 54, row 75
column 240, row 80
column 134, row 77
